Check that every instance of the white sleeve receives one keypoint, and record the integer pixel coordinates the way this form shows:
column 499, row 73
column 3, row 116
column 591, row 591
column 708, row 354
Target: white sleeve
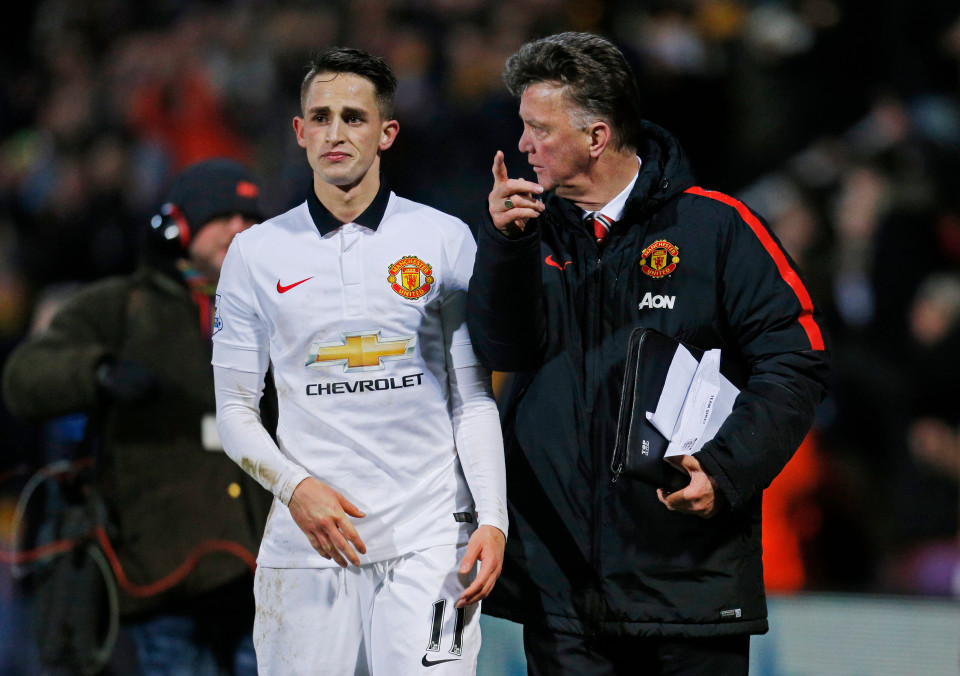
column 476, row 421
column 476, row 426
column 241, row 353
column 244, row 438
column 240, row 339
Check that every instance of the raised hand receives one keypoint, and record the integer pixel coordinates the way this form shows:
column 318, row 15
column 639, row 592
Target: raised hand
column 511, row 202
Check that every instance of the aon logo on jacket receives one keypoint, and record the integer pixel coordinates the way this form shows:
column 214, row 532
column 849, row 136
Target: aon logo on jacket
column 649, row 300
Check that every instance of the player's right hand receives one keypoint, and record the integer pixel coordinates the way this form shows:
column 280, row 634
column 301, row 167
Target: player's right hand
column 516, row 191
column 321, row 513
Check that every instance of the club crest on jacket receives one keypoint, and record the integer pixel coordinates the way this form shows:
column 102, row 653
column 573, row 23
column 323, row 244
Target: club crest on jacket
column 659, row 259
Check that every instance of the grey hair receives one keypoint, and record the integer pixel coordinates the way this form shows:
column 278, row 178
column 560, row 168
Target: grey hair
column 591, row 73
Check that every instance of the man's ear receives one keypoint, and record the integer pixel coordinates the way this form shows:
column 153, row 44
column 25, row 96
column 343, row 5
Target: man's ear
column 298, row 127
column 600, row 136
column 388, row 133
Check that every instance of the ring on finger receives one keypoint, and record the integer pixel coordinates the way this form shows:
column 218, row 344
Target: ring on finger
column 508, row 203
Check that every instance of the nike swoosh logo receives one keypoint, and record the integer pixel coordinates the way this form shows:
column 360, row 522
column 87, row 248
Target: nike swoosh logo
column 284, row 289
column 549, row 261
column 427, row 663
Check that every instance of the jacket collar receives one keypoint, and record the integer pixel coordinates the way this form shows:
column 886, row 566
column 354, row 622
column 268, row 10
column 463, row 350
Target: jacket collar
column 370, row 218
column 665, row 171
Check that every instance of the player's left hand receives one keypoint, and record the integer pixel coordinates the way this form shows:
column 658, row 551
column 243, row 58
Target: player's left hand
column 486, row 545
column 698, row 498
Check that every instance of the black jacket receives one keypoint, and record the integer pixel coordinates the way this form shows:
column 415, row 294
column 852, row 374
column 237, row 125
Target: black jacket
column 585, row 554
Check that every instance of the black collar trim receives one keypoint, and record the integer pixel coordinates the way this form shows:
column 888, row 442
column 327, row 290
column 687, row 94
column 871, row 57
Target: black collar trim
column 370, row 218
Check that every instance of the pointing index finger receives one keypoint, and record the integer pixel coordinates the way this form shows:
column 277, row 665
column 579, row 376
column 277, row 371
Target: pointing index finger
column 499, row 169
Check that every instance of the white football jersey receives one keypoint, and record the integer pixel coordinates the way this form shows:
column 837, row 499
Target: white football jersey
column 361, row 324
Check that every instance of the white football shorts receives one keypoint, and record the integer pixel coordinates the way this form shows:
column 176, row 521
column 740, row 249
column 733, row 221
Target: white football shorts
column 394, row 617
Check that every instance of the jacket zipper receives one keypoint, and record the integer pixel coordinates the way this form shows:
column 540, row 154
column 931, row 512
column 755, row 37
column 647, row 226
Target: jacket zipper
column 593, row 605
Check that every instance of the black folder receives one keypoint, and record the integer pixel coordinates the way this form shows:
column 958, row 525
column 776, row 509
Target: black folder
column 639, row 449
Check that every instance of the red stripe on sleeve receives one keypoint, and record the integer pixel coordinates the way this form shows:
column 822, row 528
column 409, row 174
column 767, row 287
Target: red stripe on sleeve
column 788, row 274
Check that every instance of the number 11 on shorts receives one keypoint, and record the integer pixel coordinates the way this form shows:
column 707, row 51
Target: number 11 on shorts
column 436, row 629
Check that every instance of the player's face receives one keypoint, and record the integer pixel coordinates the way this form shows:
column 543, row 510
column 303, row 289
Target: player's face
column 558, row 151
column 209, row 246
column 341, row 129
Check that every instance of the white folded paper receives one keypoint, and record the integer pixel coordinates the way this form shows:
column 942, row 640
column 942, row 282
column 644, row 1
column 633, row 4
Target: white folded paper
column 695, row 400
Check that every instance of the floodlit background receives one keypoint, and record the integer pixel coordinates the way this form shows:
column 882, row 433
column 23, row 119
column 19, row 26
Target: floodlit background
column 837, row 120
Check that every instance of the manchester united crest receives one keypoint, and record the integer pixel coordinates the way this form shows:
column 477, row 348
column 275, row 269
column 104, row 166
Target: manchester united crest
column 410, row 277
column 659, row 259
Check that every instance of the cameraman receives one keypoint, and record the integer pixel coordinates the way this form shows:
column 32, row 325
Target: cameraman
column 134, row 354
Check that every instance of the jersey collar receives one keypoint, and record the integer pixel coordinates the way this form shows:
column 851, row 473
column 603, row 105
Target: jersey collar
column 370, row 218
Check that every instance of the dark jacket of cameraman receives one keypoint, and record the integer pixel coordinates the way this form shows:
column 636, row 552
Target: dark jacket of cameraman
column 591, row 556
column 168, row 491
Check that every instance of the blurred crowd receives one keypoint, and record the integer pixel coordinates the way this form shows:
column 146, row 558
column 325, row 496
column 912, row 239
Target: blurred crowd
column 838, row 120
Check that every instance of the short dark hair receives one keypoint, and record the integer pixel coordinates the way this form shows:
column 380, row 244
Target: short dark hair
column 593, row 74
column 356, row 62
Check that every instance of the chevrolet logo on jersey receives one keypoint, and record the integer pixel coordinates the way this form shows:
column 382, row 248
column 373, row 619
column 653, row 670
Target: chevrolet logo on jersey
column 362, row 351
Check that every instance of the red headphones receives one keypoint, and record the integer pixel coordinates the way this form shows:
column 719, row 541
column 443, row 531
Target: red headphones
column 169, row 229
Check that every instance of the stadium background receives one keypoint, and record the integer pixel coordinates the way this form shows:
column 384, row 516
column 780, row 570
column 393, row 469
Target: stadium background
column 838, row 120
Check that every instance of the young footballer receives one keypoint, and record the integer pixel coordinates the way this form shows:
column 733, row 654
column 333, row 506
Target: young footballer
column 389, row 521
